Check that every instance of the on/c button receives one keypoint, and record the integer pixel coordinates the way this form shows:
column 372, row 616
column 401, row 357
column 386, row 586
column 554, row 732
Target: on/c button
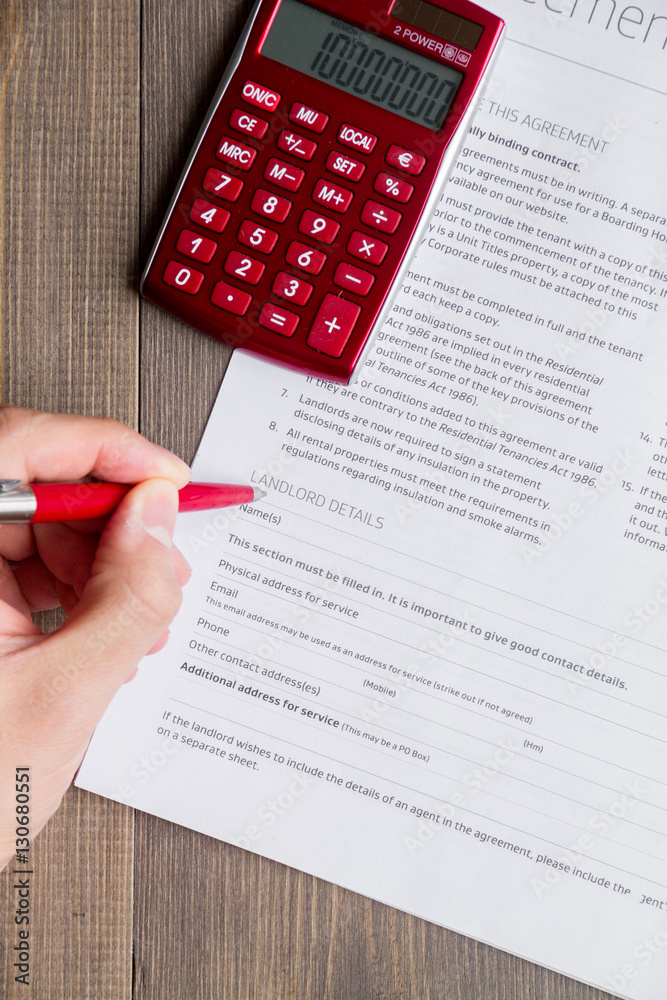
column 333, row 325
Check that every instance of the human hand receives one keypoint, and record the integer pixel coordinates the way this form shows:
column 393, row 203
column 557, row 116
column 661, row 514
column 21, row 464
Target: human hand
column 119, row 583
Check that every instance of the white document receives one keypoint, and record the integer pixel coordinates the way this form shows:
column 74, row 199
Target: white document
column 430, row 665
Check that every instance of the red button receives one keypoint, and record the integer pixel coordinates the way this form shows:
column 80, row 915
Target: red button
column 353, row 279
column 196, row 246
column 270, row 205
column 277, row 319
column 237, row 154
column 332, row 196
column 367, row 248
column 306, row 258
column 283, row 174
column 314, row 121
column 259, row 96
column 241, row 121
column 295, row 290
column 246, row 268
column 405, row 159
column 226, row 187
column 393, row 187
column 380, row 217
column 258, row 237
column 355, row 137
column 206, row 214
column 231, row 299
column 344, row 166
column 297, row 145
column 185, row 278
column 323, row 229
column 333, row 325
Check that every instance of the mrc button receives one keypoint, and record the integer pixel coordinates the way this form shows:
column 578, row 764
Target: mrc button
column 352, row 136
column 259, row 96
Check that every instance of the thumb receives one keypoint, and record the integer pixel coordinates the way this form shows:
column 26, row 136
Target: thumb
column 128, row 602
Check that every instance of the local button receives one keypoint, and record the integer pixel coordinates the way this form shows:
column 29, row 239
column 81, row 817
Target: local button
column 333, row 325
column 355, row 137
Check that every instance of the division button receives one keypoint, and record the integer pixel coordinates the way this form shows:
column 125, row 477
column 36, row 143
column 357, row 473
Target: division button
column 231, row 299
column 277, row 319
column 380, row 217
column 333, row 325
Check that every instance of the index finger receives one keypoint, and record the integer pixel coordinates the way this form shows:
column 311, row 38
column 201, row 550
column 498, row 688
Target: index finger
column 54, row 447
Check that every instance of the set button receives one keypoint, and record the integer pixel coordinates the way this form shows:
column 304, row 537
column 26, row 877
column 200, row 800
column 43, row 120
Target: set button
column 342, row 165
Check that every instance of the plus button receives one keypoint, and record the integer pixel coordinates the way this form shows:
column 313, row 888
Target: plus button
column 333, row 325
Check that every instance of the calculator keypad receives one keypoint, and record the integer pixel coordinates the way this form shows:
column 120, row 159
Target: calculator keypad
column 339, row 223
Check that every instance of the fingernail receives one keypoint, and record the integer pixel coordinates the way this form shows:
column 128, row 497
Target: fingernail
column 159, row 512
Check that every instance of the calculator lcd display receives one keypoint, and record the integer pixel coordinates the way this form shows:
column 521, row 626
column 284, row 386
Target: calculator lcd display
column 381, row 72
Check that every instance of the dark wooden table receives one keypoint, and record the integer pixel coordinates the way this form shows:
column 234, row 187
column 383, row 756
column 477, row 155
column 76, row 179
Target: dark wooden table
column 100, row 103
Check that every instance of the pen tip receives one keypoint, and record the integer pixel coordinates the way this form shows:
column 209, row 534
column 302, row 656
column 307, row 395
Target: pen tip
column 258, row 493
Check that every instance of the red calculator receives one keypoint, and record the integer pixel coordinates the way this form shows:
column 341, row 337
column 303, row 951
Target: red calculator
column 322, row 157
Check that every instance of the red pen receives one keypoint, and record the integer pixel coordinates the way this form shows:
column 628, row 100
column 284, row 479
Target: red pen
column 37, row 503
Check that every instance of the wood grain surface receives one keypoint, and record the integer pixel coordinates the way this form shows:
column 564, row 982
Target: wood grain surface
column 100, row 102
